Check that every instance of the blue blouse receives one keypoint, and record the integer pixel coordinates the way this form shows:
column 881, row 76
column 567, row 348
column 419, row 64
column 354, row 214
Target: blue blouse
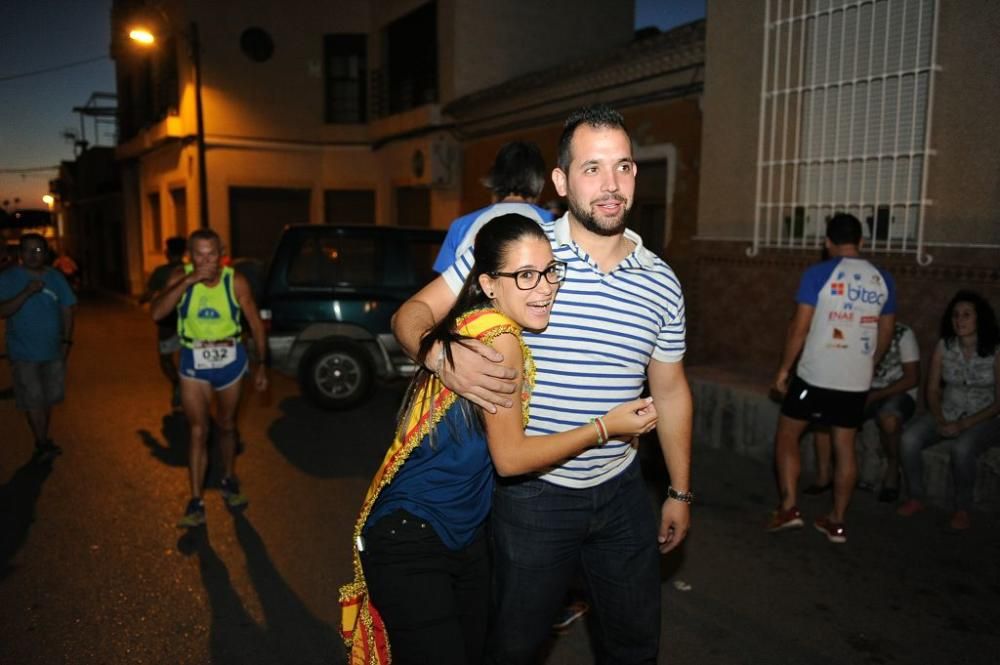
column 447, row 480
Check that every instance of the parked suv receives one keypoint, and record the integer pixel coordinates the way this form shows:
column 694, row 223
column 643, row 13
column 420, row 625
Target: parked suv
column 329, row 297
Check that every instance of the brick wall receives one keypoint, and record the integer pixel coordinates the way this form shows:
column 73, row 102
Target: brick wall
column 739, row 307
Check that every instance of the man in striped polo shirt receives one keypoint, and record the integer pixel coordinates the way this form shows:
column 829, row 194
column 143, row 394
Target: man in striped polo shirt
column 618, row 321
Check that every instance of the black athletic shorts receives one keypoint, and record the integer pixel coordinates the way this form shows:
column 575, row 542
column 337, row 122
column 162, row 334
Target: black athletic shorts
column 834, row 408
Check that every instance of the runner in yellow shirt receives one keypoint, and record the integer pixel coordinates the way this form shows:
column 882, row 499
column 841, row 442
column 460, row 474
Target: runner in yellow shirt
column 210, row 299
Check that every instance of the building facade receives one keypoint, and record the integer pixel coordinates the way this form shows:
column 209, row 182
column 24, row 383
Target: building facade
column 818, row 106
column 89, row 213
column 315, row 111
column 655, row 81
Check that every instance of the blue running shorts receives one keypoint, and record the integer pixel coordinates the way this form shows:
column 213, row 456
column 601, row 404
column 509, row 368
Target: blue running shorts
column 219, row 377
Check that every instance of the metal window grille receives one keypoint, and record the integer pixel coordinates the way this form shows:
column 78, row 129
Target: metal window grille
column 845, row 108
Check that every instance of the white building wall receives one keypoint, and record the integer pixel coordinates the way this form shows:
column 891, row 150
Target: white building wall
column 962, row 186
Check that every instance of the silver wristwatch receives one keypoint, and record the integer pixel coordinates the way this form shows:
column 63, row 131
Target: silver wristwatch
column 683, row 497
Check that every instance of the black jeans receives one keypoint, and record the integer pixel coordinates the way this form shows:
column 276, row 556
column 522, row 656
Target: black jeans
column 434, row 601
column 541, row 532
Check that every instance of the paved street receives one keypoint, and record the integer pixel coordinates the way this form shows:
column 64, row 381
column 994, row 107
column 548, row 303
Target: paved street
column 93, row 571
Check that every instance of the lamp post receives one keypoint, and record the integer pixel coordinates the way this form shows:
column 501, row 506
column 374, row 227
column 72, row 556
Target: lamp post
column 145, row 37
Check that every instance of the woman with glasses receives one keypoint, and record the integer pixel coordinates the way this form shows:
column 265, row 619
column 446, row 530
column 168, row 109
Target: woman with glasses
column 420, row 553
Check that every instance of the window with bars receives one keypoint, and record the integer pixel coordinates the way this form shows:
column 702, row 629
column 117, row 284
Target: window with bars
column 345, row 58
column 846, row 95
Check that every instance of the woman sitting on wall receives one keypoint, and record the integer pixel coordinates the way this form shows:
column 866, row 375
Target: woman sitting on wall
column 963, row 400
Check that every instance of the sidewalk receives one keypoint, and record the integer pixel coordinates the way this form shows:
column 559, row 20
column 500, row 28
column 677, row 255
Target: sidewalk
column 900, row 591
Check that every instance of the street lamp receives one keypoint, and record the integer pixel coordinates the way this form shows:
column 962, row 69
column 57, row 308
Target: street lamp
column 146, row 37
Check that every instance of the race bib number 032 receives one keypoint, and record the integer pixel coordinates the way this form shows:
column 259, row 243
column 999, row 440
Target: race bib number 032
column 214, row 355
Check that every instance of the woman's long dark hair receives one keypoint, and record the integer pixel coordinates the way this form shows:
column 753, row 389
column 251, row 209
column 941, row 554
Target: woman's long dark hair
column 492, row 244
column 987, row 332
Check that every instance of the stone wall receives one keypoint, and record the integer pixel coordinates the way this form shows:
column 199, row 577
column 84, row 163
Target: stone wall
column 734, row 411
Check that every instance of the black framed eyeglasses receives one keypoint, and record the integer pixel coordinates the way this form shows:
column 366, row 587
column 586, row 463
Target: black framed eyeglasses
column 528, row 279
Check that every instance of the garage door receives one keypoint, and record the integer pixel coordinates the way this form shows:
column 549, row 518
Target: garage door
column 257, row 215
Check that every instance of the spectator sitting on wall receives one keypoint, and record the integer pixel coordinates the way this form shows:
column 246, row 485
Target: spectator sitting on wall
column 963, row 403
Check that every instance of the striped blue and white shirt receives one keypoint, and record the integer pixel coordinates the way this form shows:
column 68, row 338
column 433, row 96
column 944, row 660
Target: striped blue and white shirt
column 604, row 330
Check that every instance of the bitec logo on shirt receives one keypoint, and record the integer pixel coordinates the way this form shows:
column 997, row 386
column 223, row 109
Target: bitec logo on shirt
column 857, row 293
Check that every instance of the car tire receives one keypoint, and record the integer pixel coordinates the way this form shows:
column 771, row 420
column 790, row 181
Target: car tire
column 336, row 374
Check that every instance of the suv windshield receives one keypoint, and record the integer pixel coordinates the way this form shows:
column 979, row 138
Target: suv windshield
column 362, row 261
column 335, row 261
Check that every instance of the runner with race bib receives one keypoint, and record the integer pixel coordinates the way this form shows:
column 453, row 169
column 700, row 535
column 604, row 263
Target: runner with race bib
column 211, row 301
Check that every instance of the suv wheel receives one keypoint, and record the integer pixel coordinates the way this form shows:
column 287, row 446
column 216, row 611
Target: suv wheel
column 336, row 375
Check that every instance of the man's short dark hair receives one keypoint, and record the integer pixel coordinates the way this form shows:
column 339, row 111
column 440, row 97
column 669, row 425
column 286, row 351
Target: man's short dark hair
column 176, row 246
column 517, row 170
column 599, row 116
column 205, row 234
column 843, row 229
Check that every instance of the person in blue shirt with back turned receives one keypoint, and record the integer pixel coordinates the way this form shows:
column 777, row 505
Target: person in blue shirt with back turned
column 38, row 304
column 843, row 324
column 516, row 179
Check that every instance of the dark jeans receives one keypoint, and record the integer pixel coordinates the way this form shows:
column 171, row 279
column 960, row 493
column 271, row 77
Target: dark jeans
column 434, row 601
column 541, row 532
column 965, row 450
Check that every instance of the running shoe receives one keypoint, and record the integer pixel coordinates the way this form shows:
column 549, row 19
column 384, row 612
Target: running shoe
column 570, row 613
column 785, row 519
column 194, row 515
column 835, row 532
column 911, row 507
column 47, row 450
column 231, row 493
column 960, row 521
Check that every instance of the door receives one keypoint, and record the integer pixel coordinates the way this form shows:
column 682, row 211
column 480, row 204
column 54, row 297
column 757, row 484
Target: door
column 649, row 212
column 258, row 214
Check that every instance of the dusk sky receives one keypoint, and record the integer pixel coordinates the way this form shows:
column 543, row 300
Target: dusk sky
column 42, row 79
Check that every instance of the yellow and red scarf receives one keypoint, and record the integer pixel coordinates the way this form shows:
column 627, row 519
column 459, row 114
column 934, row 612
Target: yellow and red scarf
column 361, row 626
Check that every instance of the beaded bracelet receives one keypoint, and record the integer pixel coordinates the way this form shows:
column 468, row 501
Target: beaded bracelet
column 602, row 433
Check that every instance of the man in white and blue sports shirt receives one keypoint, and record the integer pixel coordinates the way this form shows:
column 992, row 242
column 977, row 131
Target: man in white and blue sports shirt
column 516, row 179
column 843, row 324
column 617, row 322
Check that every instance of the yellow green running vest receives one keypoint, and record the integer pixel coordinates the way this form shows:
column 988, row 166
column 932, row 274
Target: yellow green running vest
column 208, row 313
